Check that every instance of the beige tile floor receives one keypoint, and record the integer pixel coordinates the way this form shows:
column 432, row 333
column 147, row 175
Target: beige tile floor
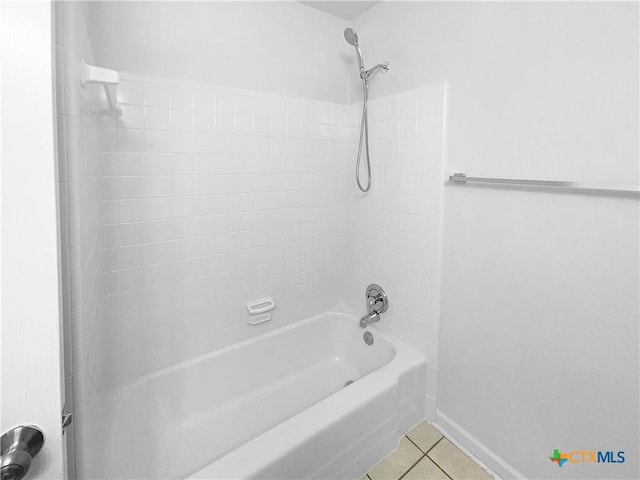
column 424, row 454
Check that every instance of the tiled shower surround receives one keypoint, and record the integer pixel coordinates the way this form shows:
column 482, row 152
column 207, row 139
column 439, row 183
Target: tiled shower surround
column 213, row 197
column 395, row 229
column 206, row 197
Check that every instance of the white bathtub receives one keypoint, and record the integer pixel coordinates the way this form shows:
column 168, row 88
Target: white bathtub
column 272, row 407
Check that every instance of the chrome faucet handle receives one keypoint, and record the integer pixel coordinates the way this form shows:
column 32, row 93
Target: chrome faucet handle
column 377, row 299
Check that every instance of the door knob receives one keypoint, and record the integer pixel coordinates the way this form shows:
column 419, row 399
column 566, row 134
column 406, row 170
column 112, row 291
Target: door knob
column 17, row 448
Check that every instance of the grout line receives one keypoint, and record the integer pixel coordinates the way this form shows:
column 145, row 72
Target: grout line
column 408, row 438
column 418, row 461
column 434, row 446
column 424, row 454
column 440, row 468
column 436, row 463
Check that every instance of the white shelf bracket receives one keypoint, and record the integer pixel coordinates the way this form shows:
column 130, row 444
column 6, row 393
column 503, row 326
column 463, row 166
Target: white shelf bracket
column 90, row 74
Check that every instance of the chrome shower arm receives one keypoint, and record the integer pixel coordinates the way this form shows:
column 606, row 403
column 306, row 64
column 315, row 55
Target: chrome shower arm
column 367, row 74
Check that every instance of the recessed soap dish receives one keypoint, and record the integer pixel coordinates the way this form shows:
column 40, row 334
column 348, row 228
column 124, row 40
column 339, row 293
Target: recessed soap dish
column 260, row 310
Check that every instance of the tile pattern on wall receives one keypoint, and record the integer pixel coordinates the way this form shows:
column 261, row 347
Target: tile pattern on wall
column 395, row 229
column 211, row 197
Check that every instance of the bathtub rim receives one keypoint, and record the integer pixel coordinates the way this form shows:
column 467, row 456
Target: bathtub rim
column 249, row 341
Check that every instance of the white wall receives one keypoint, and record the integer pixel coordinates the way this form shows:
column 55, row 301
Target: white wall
column 530, row 81
column 539, row 326
column 276, row 47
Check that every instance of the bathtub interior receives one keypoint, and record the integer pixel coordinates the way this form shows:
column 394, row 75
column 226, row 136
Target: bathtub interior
column 180, row 419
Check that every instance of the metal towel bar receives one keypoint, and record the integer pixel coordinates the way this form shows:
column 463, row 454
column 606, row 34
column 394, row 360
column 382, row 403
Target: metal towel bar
column 632, row 190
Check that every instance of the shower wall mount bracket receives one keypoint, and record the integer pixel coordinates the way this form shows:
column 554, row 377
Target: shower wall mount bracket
column 91, row 74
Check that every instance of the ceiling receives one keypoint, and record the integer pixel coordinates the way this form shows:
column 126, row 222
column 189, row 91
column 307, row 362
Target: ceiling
column 343, row 9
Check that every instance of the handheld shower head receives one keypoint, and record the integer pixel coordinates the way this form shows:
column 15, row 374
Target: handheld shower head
column 351, row 37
